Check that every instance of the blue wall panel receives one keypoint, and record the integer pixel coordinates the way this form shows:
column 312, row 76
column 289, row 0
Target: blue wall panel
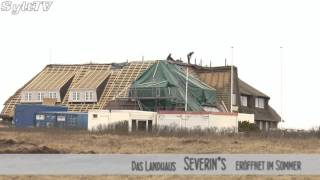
column 25, row 113
column 65, row 120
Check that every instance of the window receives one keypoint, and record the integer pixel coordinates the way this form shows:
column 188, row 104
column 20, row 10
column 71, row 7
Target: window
column 86, row 96
column 259, row 102
column 89, row 96
column 75, row 96
column 51, row 117
column 72, row 121
column 50, row 124
column 40, row 117
column 95, row 115
column 28, row 97
column 244, row 101
column 260, row 125
column 61, row 118
column 234, row 99
column 52, row 95
column 40, row 96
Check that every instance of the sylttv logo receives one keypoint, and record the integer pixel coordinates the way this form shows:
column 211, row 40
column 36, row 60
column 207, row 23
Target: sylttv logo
column 16, row 7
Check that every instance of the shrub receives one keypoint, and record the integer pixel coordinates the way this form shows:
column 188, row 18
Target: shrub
column 246, row 126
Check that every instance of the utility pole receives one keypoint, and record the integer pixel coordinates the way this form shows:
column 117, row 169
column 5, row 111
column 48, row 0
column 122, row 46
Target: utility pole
column 281, row 87
column 231, row 81
column 187, row 79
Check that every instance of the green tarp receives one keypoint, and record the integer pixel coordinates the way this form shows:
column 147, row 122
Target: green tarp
column 164, row 84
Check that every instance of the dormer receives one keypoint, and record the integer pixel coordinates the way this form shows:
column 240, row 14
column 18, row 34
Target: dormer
column 251, row 97
column 89, row 87
column 48, row 84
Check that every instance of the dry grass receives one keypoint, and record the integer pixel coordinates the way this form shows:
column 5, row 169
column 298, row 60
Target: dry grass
column 53, row 141
column 83, row 142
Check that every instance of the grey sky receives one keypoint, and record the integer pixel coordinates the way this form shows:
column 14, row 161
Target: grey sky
column 114, row 31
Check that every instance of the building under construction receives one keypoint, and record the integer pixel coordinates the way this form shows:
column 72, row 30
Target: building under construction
column 144, row 85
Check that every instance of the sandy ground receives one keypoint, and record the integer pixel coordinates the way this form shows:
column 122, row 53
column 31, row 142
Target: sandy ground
column 82, row 142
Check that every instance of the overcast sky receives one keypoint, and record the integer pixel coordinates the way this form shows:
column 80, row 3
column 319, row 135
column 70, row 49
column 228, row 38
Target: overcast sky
column 114, row 31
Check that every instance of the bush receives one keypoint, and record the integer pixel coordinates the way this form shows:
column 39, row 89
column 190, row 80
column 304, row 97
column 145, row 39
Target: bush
column 114, row 128
column 246, row 126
